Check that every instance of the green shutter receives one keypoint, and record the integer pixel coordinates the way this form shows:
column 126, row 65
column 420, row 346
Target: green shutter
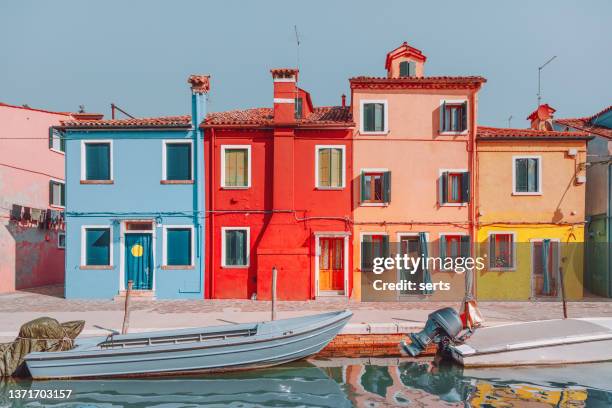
column 412, row 69
column 235, row 247
column 97, row 157
column 50, row 192
column 368, row 117
column 443, row 189
column 522, row 176
column 97, row 246
column 465, row 187
column 363, row 192
column 386, row 181
column 442, row 246
column 366, row 253
column 385, row 246
column 442, row 117
column 492, row 254
column 178, row 161
column 298, row 108
column 50, row 137
column 404, row 69
column 178, row 246
column 465, row 246
column 62, row 194
column 464, row 116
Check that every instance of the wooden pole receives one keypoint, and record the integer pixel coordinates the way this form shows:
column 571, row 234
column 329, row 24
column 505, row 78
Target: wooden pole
column 126, row 310
column 563, row 292
column 274, row 272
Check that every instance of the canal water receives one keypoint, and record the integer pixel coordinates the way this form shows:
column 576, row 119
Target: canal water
column 386, row 382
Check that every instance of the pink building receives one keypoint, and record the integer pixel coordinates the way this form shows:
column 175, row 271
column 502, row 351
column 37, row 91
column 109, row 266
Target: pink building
column 31, row 198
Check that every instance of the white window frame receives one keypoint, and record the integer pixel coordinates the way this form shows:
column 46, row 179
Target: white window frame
column 62, row 182
column 362, row 130
column 540, row 165
column 467, row 115
column 176, row 141
column 53, row 139
column 249, row 159
column 84, row 228
column 84, row 157
column 369, row 233
column 248, row 247
column 446, row 234
column 165, row 229
column 514, row 266
column 371, row 170
column 58, row 240
column 319, row 147
column 462, row 204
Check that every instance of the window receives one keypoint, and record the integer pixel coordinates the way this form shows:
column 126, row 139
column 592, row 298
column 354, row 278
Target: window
column 407, row 69
column 330, row 163
column 178, row 246
column 97, row 163
column 177, row 161
column 298, row 108
column 236, row 166
column 527, row 173
column 453, row 116
column 501, row 251
column 97, row 246
column 375, row 187
column 374, row 116
column 61, row 240
column 545, row 255
column 57, row 193
column 454, row 246
column 235, row 247
column 454, row 187
column 56, row 140
column 373, row 246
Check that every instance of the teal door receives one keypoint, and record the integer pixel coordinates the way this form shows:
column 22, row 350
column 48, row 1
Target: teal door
column 139, row 261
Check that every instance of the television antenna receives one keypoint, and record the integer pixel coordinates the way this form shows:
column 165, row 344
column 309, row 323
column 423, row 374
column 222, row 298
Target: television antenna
column 539, row 78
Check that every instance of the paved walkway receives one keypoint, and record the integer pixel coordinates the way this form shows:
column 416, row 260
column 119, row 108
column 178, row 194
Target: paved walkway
column 102, row 316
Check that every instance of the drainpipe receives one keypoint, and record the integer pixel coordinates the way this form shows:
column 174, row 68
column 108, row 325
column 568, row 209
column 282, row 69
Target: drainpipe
column 200, row 85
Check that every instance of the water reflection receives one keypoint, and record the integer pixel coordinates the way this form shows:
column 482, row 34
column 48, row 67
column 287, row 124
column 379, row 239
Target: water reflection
column 343, row 383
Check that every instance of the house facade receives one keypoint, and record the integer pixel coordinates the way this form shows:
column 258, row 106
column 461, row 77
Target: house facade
column 413, row 157
column 278, row 195
column 531, row 210
column 598, row 272
column 134, row 204
column 31, row 198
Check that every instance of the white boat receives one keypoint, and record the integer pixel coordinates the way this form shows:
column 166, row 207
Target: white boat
column 545, row 342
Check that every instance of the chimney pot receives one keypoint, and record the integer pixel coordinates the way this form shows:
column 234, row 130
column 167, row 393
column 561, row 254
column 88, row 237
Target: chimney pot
column 199, row 83
column 285, row 92
column 343, row 100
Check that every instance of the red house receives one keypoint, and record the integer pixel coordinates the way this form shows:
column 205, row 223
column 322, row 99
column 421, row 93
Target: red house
column 278, row 194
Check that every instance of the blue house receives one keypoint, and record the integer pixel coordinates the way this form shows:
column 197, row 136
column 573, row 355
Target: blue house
column 134, row 204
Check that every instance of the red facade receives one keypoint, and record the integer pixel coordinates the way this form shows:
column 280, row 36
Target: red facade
column 294, row 223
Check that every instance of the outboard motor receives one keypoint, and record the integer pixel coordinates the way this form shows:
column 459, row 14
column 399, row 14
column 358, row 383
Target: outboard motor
column 442, row 325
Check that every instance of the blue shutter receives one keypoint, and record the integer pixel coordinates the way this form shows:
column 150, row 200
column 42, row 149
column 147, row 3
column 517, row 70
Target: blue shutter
column 97, row 250
column 465, row 187
column 178, row 161
column 97, row 157
column 386, row 181
column 178, row 249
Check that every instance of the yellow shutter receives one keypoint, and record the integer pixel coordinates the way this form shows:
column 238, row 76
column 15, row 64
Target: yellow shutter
column 324, row 167
column 236, row 167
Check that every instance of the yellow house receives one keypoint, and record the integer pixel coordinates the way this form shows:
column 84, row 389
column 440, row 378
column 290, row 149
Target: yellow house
column 530, row 204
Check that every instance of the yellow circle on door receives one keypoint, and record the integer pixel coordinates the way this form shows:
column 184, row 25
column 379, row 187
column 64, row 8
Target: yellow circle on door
column 137, row 250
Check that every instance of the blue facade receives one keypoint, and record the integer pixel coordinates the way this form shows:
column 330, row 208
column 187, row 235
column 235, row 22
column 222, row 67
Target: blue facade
column 136, row 202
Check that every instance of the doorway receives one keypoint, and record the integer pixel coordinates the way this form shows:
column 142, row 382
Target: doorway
column 139, row 260
column 331, row 265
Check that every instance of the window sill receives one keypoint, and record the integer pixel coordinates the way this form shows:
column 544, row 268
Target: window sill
column 364, row 133
column 177, row 267
column 329, row 188
column 57, row 151
column 502, row 269
column 176, row 182
column 453, row 133
column 516, row 193
column 235, row 187
column 374, row 204
column 96, row 267
column 234, row 266
column 97, row 182
column 453, row 204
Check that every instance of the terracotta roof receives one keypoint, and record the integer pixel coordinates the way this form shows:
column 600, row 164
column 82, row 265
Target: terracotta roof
column 284, row 71
column 164, row 121
column 586, row 124
column 321, row 116
column 433, row 82
column 486, row 132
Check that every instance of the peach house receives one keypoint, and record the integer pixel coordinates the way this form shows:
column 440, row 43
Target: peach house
column 412, row 159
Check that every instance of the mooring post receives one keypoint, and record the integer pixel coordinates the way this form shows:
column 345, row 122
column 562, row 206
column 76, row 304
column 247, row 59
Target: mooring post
column 274, row 272
column 126, row 310
column 562, row 284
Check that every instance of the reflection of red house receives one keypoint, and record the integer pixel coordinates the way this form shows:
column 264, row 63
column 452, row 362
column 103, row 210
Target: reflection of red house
column 278, row 179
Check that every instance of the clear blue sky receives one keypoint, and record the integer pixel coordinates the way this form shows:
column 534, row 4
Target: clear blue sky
column 138, row 54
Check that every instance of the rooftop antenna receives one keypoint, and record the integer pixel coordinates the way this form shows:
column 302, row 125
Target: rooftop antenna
column 539, row 75
column 116, row 108
column 297, row 41
column 510, row 121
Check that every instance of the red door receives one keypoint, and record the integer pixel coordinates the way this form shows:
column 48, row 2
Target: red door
column 331, row 264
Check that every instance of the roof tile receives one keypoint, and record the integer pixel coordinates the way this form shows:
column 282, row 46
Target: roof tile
column 323, row 115
column 164, row 121
column 486, row 132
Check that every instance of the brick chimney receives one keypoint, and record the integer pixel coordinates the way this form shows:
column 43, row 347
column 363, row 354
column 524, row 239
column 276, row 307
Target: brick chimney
column 285, row 92
column 541, row 118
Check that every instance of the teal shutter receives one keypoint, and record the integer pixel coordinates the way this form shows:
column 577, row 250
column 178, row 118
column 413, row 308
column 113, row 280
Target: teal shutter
column 465, row 187
column 442, row 246
column 492, row 254
column 363, row 192
column 443, row 189
column 50, row 137
column 178, row 249
column 62, row 194
column 178, row 161
column 235, row 248
column 404, row 69
column 442, row 117
column 386, row 180
column 379, row 117
column 97, row 250
column 464, row 116
column 62, row 137
column 97, row 157
column 368, row 117
column 546, row 289
column 424, row 253
column 366, row 253
column 465, row 246
column 385, row 246
column 50, row 192
column 412, row 69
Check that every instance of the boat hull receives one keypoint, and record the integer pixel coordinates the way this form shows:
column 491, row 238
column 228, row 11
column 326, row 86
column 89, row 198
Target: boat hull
column 269, row 348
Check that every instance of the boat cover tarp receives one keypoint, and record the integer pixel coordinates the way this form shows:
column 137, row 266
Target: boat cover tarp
column 42, row 334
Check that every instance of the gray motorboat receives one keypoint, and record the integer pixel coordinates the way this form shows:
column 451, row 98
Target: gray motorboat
column 188, row 351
